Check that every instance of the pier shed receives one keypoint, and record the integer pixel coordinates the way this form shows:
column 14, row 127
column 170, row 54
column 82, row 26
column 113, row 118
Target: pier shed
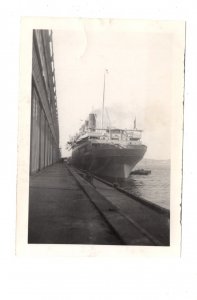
column 44, row 115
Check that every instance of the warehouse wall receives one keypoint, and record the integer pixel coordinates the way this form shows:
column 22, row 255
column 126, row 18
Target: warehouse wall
column 44, row 116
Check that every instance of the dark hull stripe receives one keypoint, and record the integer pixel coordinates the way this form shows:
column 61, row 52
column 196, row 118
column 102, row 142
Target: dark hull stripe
column 116, row 163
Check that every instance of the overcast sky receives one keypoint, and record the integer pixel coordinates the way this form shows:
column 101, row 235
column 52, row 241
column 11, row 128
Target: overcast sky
column 138, row 83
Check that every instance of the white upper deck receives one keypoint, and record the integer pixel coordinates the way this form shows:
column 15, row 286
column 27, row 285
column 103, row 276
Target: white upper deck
column 123, row 137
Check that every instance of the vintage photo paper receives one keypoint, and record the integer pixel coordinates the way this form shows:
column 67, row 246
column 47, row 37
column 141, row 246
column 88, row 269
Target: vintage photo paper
column 100, row 137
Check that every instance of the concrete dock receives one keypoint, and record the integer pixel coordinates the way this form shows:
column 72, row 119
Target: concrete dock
column 64, row 208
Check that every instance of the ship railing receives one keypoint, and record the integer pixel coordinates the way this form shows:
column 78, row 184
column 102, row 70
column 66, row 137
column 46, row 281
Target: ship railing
column 111, row 129
column 100, row 131
column 109, row 134
column 122, row 143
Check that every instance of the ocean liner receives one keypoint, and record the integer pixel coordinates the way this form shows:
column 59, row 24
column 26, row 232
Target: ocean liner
column 110, row 152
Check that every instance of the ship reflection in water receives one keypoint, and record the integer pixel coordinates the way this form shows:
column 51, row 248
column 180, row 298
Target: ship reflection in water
column 154, row 187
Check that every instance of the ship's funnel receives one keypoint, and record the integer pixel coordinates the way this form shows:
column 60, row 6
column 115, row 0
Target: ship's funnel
column 92, row 121
column 86, row 124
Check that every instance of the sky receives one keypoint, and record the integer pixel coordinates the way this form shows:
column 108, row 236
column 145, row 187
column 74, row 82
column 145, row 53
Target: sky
column 139, row 60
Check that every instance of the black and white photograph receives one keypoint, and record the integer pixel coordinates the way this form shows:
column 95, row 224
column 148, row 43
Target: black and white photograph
column 103, row 145
column 98, row 150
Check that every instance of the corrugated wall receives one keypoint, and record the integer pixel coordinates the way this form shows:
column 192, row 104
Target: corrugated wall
column 44, row 117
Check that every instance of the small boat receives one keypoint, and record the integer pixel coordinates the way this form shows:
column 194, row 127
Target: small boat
column 140, row 172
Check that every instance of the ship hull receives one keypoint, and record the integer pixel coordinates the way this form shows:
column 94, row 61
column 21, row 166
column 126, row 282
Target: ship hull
column 108, row 162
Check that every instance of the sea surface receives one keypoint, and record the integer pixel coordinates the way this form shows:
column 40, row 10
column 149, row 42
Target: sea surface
column 154, row 187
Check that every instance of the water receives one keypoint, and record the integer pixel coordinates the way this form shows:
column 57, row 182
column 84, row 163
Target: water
column 154, row 187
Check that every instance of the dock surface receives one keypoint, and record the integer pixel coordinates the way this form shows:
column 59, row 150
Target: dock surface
column 61, row 213
column 64, row 208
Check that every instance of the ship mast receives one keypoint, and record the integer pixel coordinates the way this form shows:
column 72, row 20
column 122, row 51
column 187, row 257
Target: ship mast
column 103, row 106
column 134, row 124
